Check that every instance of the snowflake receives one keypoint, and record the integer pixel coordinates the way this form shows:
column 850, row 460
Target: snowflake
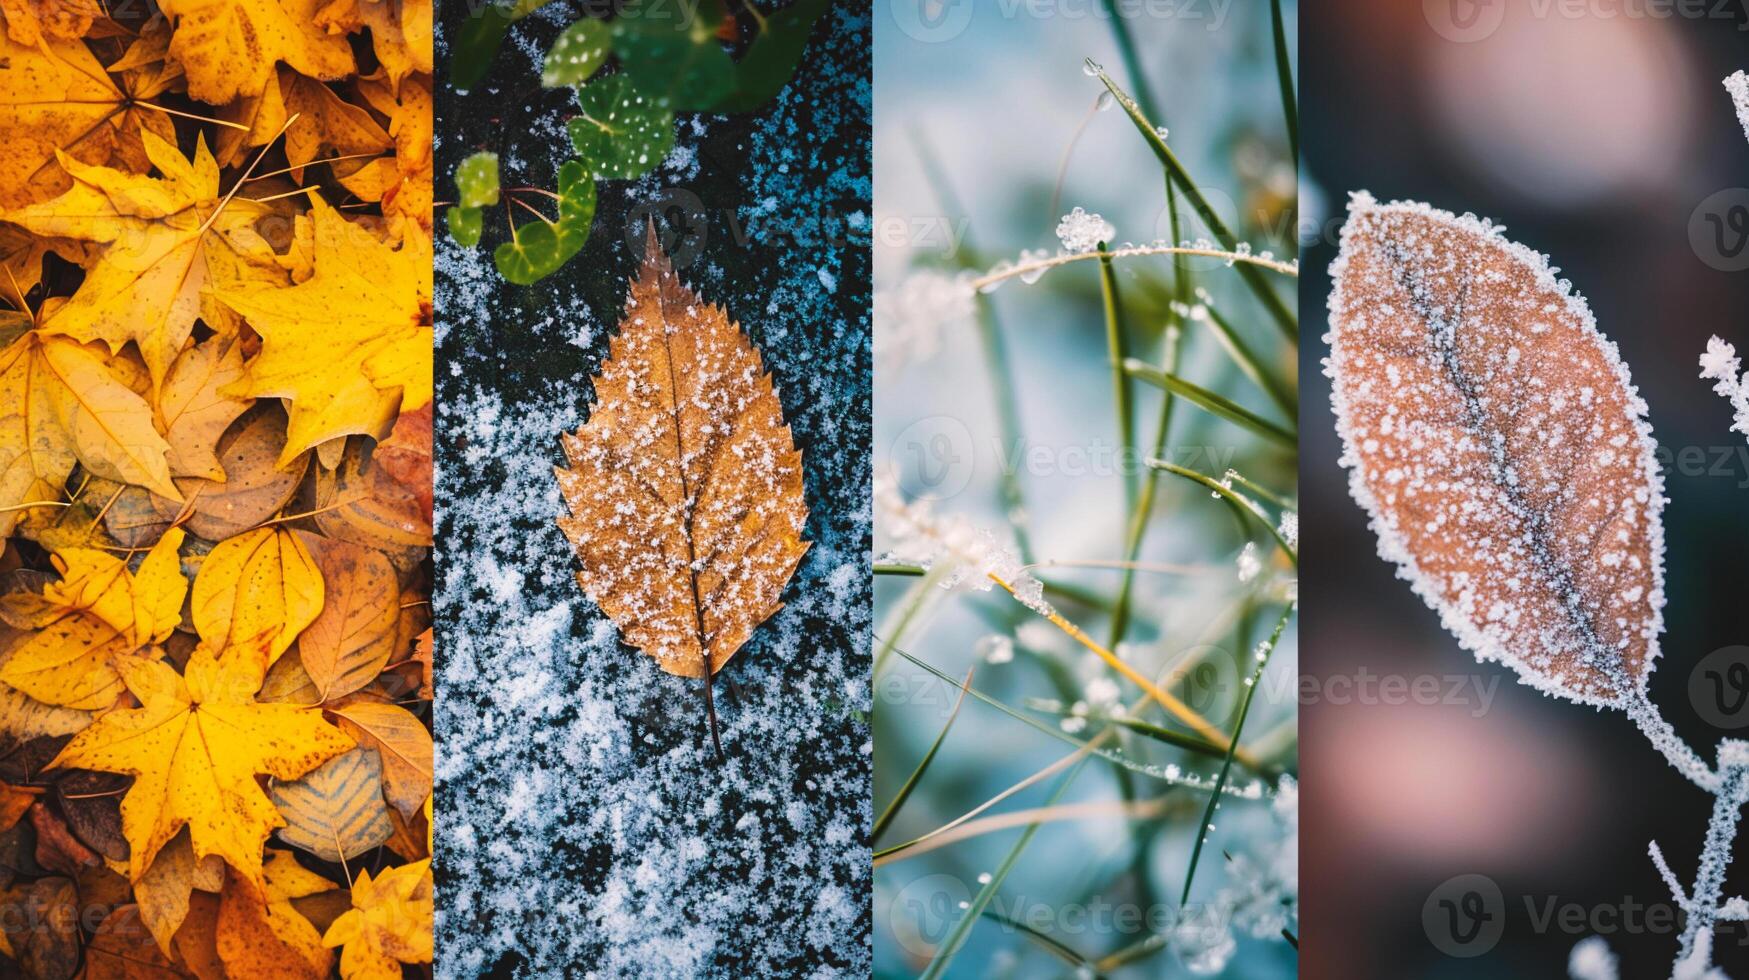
column 1081, row 231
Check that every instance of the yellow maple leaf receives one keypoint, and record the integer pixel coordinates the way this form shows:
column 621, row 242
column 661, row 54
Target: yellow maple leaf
column 230, row 47
column 55, row 97
column 389, row 923
column 145, row 605
column 194, row 747
column 254, row 594
column 349, row 347
column 168, row 241
column 61, row 404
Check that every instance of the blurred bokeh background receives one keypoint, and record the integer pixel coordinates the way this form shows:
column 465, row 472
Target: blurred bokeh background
column 1599, row 134
column 987, row 131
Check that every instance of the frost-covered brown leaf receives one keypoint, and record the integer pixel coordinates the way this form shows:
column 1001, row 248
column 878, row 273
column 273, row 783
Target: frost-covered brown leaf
column 1500, row 447
column 685, row 485
column 195, row 527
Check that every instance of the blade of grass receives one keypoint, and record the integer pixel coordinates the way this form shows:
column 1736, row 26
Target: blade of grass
column 1140, row 810
column 915, row 598
column 904, row 793
column 1285, row 74
column 1240, row 502
column 1051, row 730
column 1173, row 706
column 1144, row 505
column 1273, row 303
column 1264, row 652
column 1260, row 490
column 1057, row 948
column 899, row 568
column 1117, row 346
column 1249, row 363
column 1210, row 402
column 963, row 928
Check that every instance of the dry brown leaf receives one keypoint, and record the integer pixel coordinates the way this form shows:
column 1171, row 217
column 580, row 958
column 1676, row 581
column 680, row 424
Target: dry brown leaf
column 165, row 890
column 122, row 949
column 253, row 487
column 685, row 486
column 193, row 410
column 403, row 743
column 1495, row 438
column 352, row 639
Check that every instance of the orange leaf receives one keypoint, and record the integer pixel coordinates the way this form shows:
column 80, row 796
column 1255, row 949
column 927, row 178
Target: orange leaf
column 1495, row 438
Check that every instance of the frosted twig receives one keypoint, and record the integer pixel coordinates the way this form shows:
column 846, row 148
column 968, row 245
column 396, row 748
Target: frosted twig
column 1715, row 857
column 1669, row 876
column 1664, row 738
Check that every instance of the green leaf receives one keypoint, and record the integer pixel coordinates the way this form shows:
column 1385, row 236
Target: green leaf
column 479, row 39
column 537, row 249
column 576, row 54
column 772, row 58
column 673, row 55
column 621, row 134
column 477, row 180
column 465, row 225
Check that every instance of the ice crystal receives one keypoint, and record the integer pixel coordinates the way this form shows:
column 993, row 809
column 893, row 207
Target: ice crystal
column 1738, row 85
column 1249, row 564
column 1721, row 365
column 995, row 648
column 969, row 556
column 910, row 318
column 1592, row 960
column 1289, row 528
column 1082, row 231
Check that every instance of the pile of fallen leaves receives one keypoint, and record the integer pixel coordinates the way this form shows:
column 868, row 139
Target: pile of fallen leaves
column 215, row 488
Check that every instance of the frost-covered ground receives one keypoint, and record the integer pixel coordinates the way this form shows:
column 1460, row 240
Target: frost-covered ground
column 583, row 827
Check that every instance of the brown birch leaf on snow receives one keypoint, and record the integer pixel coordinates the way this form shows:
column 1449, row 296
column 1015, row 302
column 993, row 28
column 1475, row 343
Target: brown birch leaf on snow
column 1496, row 440
column 685, row 486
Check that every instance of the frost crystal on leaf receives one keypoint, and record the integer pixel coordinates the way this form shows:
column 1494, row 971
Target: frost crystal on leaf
column 909, row 319
column 968, row 555
column 1738, row 85
column 1081, row 231
column 1497, row 442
